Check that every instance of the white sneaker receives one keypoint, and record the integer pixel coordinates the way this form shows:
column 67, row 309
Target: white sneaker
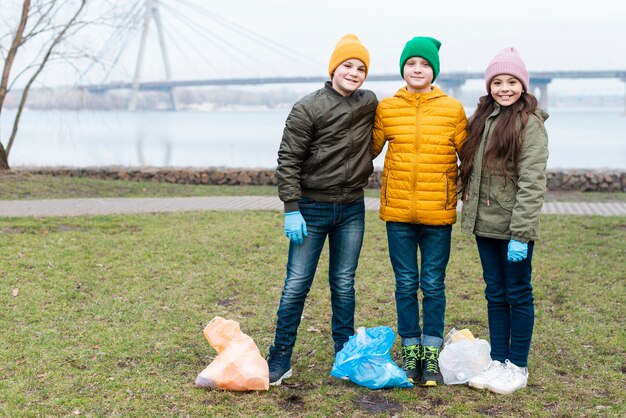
column 491, row 370
column 512, row 379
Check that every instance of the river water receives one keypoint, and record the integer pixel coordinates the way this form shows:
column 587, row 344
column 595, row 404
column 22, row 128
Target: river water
column 579, row 138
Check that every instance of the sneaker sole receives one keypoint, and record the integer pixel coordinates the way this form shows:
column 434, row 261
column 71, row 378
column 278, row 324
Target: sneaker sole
column 429, row 383
column 285, row 376
column 415, row 380
column 477, row 385
column 504, row 392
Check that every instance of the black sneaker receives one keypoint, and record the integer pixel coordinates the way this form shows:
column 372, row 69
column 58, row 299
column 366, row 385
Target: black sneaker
column 431, row 375
column 279, row 363
column 412, row 362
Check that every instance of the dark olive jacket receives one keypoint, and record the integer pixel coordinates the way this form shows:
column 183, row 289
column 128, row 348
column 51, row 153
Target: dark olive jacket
column 325, row 153
column 495, row 206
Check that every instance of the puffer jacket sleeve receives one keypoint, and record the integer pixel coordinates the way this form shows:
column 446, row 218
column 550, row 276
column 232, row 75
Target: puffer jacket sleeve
column 531, row 182
column 378, row 132
column 297, row 138
column 461, row 131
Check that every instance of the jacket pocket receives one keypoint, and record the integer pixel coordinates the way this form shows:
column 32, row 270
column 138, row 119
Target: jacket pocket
column 504, row 191
column 451, row 190
column 310, row 166
column 383, row 192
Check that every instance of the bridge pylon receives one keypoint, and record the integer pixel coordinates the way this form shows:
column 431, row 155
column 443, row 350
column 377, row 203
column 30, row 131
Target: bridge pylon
column 542, row 85
column 151, row 13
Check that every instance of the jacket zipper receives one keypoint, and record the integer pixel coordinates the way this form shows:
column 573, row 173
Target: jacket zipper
column 414, row 199
column 348, row 150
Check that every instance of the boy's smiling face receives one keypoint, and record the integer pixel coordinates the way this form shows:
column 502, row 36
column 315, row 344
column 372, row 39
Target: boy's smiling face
column 418, row 75
column 349, row 76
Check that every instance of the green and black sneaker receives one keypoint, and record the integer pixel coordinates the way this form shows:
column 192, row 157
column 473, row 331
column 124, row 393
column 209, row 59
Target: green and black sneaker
column 412, row 362
column 431, row 375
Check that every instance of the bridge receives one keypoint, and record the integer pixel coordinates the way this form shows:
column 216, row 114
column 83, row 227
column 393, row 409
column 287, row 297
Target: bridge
column 450, row 82
column 144, row 12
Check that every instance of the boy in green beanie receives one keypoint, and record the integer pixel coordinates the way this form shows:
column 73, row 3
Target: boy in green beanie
column 425, row 129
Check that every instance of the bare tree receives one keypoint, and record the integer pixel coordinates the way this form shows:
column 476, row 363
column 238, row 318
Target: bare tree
column 49, row 22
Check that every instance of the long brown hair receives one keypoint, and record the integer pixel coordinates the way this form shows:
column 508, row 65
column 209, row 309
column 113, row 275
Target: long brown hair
column 506, row 138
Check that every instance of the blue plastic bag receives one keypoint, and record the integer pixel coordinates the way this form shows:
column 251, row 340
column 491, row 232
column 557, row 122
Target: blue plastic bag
column 366, row 361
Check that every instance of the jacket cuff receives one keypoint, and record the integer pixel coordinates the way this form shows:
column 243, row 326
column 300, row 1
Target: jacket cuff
column 291, row 206
column 520, row 239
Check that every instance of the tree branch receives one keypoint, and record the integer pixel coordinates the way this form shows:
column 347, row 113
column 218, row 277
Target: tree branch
column 53, row 45
column 17, row 41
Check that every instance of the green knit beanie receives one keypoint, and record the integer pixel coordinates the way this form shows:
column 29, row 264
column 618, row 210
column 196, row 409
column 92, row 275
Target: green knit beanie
column 425, row 47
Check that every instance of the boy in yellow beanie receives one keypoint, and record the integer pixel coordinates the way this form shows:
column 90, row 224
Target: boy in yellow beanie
column 424, row 129
column 324, row 162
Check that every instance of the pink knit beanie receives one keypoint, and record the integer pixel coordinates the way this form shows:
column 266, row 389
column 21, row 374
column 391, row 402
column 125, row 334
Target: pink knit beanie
column 509, row 62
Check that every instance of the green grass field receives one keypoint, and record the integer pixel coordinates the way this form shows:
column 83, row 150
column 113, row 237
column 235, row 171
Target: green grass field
column 15, row 185
column 103, row 316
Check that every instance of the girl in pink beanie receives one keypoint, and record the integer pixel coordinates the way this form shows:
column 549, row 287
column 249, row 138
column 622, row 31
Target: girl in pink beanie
column 503, row 179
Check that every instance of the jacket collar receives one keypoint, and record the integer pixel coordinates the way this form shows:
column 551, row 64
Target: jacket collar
column 328, row 87
column 436, row 92
column 496, row 110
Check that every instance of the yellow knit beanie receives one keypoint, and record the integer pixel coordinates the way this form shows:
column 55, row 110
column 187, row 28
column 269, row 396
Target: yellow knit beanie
column 348, row 47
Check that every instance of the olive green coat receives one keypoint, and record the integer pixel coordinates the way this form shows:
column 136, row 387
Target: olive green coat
column 495, row 206
column 325, row 153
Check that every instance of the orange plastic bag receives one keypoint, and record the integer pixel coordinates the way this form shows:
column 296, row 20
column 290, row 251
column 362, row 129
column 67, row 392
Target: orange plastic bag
column 238, row 365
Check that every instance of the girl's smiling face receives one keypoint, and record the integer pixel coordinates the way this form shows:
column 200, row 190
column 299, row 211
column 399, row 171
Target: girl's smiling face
column 506, row 89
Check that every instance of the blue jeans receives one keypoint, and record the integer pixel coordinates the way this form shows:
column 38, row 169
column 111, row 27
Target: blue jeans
column 510, row 301
column 434, row 245
column 344, row 225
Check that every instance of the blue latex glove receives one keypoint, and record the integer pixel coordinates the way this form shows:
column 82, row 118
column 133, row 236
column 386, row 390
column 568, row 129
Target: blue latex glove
column 517, row 251
column 295, row 227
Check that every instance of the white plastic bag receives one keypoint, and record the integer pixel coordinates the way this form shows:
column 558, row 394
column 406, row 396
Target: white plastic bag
column 463, row 357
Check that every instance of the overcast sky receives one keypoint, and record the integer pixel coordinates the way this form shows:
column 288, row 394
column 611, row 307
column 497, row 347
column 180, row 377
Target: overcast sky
column 550, row 35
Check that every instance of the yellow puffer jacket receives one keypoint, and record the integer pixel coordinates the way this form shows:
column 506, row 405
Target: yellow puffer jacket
column 425, row 131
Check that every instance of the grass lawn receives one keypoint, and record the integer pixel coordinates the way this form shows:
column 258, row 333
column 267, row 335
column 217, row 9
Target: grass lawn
column 14, row 185
column 104, row 315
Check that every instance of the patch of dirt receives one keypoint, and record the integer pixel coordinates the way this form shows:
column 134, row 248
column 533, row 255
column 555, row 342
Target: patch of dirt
column 127, row 362
column 225, row 303
column 300, row 386
column 377, row 404
column 11, row 230
column 67, row 228
column 491, row 411
column 292, row 402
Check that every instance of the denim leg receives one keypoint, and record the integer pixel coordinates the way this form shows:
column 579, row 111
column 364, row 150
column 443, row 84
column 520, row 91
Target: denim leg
column 519, row 295
column 434, row 244
column 301, row 266
column 402, row 239
column 345, row 241
column 493, row 259
column 510, row 302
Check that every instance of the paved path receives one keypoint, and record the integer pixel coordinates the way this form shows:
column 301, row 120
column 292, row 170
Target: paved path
column 76, row 207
